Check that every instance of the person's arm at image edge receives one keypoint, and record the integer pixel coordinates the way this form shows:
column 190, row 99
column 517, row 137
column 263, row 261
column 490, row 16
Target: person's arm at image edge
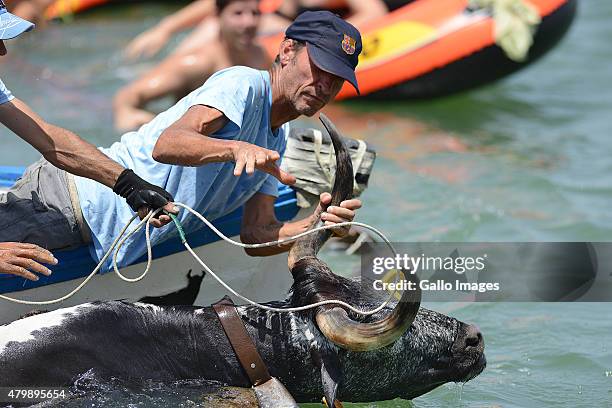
column 59, row 146
column 69, row 152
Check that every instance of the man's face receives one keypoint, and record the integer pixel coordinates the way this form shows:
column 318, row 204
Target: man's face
column 307, row 86
column 2, row 48
column 239, row 22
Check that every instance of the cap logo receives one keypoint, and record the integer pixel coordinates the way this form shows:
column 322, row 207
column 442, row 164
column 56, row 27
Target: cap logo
column 348, row 45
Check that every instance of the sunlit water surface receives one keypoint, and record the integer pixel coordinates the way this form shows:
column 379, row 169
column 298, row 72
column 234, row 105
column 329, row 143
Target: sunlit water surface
column 526, row 159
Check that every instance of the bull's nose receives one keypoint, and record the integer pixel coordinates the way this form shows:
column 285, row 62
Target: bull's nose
column 470, row 339
column 473, row 336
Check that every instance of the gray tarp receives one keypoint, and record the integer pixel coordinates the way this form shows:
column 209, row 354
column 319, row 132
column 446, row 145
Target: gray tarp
column 515, row 24
column 310, row 158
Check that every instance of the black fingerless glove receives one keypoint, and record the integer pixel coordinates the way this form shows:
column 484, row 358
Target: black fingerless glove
column 139, row 193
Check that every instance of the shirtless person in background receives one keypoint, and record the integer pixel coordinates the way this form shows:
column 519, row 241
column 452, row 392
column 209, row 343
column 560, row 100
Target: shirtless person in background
column 277, row 15
column 234, row 44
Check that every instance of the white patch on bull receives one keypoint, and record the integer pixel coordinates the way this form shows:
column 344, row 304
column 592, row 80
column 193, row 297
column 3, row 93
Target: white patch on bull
column 302, row 332
column 310, row 337
column 305, row 333
column 153, row 308
column 22, row 330
column 244, row 315
column 199, row 311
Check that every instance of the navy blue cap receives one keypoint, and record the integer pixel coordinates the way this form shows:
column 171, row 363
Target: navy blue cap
column 11, row 25
column 333, row 44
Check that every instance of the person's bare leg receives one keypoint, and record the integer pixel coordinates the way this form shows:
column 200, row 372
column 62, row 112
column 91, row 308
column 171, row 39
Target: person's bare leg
column 175, row 75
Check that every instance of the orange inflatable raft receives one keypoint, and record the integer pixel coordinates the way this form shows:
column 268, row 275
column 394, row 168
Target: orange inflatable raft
column 430, row 48
column 63, row 8
column 427, row 48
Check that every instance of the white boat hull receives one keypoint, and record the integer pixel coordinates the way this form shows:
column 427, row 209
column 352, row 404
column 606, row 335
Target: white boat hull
column 258, row 278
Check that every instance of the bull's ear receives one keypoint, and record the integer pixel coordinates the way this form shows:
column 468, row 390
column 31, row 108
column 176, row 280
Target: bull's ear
column 331, row 373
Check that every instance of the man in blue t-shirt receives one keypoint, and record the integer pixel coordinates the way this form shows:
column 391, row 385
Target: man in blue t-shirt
column 205, row 149
column 55, row 216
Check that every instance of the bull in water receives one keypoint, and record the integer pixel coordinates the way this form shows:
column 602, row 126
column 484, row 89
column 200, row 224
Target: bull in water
column 402, row 352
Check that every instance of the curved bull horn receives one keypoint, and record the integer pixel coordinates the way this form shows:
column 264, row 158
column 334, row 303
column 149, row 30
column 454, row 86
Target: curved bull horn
column 334, row 322
column 343, row 331
column 309, row 245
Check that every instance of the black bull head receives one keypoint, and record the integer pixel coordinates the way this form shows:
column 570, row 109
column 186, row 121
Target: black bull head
column 403, row 351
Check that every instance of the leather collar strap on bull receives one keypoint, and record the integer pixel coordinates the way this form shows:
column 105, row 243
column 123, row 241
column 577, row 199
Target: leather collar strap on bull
column 270, row 392
column 245, row 350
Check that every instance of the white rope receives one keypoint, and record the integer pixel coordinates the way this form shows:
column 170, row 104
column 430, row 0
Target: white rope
column 120, row 240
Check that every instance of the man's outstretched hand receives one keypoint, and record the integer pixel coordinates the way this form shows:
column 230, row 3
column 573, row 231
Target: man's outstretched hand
column 250, row 157
column 24, row 259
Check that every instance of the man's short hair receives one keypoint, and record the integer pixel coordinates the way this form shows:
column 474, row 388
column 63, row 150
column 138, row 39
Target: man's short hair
column 221, row 4
column 297, row 44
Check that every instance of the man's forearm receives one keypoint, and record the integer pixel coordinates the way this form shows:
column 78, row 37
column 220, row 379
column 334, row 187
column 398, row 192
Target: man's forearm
column 192, row 149
column 71, row 153
column 274, row 232
column 185, row 142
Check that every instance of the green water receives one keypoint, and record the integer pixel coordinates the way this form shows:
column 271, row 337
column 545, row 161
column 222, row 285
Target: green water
column 526, row 159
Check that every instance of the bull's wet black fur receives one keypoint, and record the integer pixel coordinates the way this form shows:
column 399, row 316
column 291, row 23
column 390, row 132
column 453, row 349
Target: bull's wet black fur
column 127, row 341
column 169, row 343
column 313, row 282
